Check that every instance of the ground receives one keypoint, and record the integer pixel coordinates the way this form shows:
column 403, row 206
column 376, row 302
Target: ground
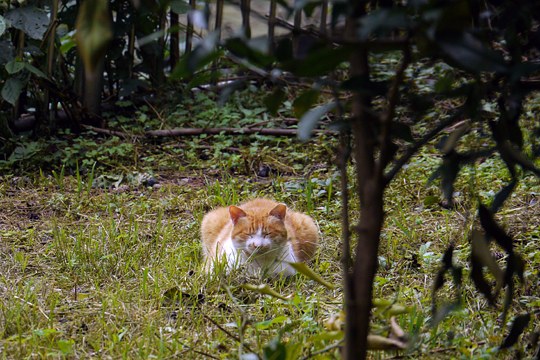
column 104, row 260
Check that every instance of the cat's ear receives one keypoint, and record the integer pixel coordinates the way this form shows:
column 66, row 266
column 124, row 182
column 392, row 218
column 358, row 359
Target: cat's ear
column 279, row 211
column 236, row 213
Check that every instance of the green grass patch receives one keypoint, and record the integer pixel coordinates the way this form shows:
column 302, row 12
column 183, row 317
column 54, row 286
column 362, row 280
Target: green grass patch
column 101, row 257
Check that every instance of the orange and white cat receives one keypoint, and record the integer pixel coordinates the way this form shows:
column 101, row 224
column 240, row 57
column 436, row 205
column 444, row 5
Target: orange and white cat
column 261, row 234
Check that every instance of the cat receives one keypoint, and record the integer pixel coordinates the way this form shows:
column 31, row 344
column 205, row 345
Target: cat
column 262, row 234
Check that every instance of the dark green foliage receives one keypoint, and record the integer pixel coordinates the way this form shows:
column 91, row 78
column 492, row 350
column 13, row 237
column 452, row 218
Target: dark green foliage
column 274, row 100
column 30, row 20
column 304, row 102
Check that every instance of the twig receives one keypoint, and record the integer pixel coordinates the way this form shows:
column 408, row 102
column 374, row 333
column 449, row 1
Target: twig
column 398, row 164
column 386, row 120
column 204, row 354
column 326, row 349
column 243, row 316
column 108, row 132
column 231, row 335
column 158, row 114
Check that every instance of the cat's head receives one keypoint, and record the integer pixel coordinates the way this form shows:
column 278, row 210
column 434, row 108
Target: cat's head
column 257, row 232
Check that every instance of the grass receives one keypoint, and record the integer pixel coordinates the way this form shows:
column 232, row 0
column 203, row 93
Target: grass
column 115, row 272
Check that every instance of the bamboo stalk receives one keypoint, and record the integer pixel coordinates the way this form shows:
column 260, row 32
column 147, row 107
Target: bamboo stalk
column 131, row 50
column 245, row 6
column 272, row 26
column 174, row 44
column 296, row 31
column 219, row 17
column 189, row 30
column 48, row 104
column 324, row 15
column 217, row 27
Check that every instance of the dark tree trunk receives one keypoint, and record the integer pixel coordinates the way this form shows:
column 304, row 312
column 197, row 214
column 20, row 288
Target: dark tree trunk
column 175, row 40
column 370, row 190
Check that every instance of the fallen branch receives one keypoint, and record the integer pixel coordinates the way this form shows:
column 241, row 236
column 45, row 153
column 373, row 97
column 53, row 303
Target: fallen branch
column 207, row 131
column 229, row 131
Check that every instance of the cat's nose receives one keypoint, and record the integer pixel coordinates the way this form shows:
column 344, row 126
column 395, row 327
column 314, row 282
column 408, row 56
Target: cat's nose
column 254, row 247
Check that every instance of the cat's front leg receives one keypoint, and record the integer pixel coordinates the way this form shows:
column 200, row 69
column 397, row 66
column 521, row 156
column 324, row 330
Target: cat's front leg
column 232, row 256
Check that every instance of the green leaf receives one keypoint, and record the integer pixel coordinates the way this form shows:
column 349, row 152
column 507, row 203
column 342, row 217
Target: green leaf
column 319, row 62
column 34, row 70
column 309, row 121
column 275, row 350
column 470, row 54
column 26, row 151
column 31, row 20
column 180, row 6
column 304, row 102
column 263, row 325
column 65, row 346
column 494, row 230
column 67, row 43
column 389, row 307
column 266, row 290
column 306, row 271
column 203, row 78
column 203, row 54
column 479, row 280
column 502, row 195
column 12, row 89
column 512, row 154
column 440, row 313
column 14, row 66
column 46, row 332
column 227, row 91
column 240, row 48
column 480, row 250
column 519, row 324
column 274, row 100
column 447, row 265
column 150, row 38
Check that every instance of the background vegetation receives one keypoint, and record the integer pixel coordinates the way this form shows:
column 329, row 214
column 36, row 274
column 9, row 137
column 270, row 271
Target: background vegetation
column 101, row 206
